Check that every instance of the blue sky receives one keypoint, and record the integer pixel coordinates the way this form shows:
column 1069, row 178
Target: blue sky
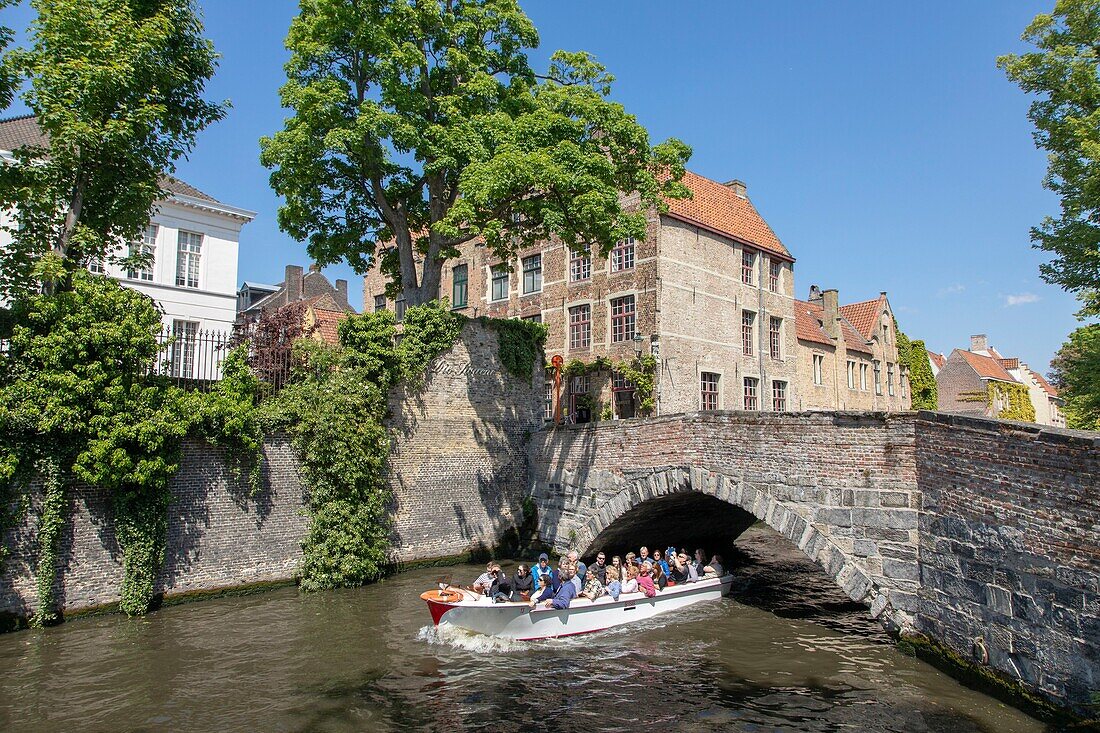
column 879, row 140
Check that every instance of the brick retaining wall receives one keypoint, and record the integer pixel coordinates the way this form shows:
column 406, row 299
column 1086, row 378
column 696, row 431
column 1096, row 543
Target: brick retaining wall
column 457, row 468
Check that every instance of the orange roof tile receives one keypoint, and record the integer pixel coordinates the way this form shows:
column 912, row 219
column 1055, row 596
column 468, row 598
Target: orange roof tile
column 715, row 207
column 808, row 321
column 986, row 366
column 1007, row 363
column 863, row 315
column 938, row 359
column 325, row 323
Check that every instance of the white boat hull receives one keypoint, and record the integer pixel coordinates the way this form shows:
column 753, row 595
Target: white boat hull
column 521, row 622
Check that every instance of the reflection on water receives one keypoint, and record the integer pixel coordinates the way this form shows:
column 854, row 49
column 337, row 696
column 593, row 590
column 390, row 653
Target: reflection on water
column 368, row 659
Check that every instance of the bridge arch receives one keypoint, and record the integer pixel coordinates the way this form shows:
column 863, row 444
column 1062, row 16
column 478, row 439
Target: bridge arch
column 718, row 508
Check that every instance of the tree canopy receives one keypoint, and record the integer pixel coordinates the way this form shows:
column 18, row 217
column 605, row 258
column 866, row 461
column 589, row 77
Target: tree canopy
column 1076, row 372
column 1063, row 72
column 419, row 125
column 117, row 89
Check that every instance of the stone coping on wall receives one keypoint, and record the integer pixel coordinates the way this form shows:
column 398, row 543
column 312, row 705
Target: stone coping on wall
column 848, row 417
column 1045, row 433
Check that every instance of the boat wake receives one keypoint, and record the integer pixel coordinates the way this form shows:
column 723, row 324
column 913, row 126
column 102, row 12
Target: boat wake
column 469, row 641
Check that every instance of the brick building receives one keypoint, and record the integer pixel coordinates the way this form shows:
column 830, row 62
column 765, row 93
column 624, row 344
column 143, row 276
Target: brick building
column 848, row 355
column 708, row 291
column 966, row 375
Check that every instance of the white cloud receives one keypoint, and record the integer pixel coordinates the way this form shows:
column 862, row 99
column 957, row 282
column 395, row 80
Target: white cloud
column 1020, row 299
column 951, row 290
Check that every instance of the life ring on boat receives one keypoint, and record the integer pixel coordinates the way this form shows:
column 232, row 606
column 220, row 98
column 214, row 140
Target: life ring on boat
column 447, row 595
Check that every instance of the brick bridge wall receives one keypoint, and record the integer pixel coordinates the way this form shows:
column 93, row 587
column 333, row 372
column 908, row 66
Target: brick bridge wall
column 457, row 467
column 982, row 534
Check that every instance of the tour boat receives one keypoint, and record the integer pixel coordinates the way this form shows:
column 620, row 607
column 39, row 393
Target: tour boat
column 451, row 606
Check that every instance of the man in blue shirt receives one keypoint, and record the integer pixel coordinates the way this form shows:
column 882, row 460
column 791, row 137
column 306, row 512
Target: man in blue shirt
column 561, row 597
column 542, row 568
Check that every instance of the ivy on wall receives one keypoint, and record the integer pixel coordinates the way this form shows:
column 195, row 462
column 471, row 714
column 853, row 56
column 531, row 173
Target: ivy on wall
column 640, row 371
column 922, row 383
column 1005, row 400
column 76, row 405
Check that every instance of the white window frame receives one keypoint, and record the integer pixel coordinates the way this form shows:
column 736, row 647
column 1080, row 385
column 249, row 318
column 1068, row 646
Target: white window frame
column 189, row 259
column 147, row 246
column 819, row 368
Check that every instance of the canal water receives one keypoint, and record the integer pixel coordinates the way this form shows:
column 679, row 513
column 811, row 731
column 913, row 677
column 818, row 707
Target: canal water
column 787, row 652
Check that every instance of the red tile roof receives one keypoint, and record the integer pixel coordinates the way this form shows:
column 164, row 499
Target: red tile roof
column 809, row 327
column 864, row 316
column 325, row 324
column 1009, row 363
column 716, row 207
column 807, row 322
column 938, row 359
column 23, row 131
column 986, row 366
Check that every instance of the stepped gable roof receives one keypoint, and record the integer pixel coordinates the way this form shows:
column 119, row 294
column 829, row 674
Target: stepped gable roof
column 1047, row 386
column 938, row 359
column 809, row 326
column 864, row 315
column 23, row 131
column 716, row 207
column 986, row 366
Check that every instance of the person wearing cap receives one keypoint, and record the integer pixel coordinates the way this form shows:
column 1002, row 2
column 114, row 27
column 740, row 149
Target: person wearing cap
column 540, row 569
column 561, row 597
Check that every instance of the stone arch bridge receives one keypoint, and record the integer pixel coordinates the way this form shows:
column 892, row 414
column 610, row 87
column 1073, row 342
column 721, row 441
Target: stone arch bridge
column 960, row 529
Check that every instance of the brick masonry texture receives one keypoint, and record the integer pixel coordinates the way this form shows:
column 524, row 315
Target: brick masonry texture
column 1010, row 548
column 982, row 534
column 458, row 471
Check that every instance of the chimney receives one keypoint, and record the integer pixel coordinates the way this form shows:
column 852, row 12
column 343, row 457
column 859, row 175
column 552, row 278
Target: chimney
column 830, row 312
column 342, row 289
column 738, row 187
column 293, row 283
column 979, row 342
column 815, row 294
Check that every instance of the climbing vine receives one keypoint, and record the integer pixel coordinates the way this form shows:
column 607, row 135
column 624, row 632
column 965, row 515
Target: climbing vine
column 1013, row 400
column 76, row 404
column 334, row 411
column 520, row 343
column 922, row 383
column 642, row 373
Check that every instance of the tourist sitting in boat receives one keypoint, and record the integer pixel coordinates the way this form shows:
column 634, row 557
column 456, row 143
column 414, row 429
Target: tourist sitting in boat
column 484, row 581
column 700, row 561
column 575, row 561
column 658, row 559
column 630, row 556
column 659, row 578
column 601, row 567
column 643, row 555
column 617, row 563
column 613, row 586
column 714, row 569
column 501, row 589
column 682, row 570
column 645, row 580
column 593, row 588
column 630, row 585
column 564, row 594
column 540, row 568
column 523, row 584
column 575, row 578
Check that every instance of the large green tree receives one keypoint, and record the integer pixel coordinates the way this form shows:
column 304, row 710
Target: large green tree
column 8, row 79
column 1063, row 72
column 419, row 125
column 116, row 85
column 1076, row 372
